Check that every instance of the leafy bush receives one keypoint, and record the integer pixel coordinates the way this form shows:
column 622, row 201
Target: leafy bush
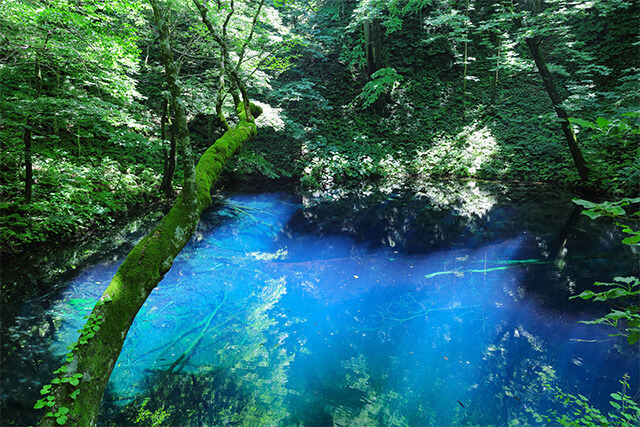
column 381, row 84
column 625, row 314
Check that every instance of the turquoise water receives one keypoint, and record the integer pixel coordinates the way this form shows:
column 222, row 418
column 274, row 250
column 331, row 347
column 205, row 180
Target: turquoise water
column 284, row 311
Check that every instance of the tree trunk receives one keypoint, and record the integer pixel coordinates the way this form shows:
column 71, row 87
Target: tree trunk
column 233, row 72
column 373, row 54
column 28, row 174
column 78, row 389
column 27, row 136
column 534, row 48
column 372, row 45
column 496, row 40
column 533, row 43
column 170, row 154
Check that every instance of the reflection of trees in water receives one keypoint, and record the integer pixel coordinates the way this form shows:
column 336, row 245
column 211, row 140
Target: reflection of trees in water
column 230, row 368
column 514, row 371
column 434, row 215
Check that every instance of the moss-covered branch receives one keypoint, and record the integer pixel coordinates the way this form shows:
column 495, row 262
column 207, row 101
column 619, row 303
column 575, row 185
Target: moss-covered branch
column 98, row 349
column 74, row 396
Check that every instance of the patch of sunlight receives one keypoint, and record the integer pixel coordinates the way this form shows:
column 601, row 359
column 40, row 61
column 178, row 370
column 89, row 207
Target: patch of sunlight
column 482, row 145
column 462, row 155
column 272, row 16
column 280, row 254
column 511, row 59
column 270, row 116
column 465, row 197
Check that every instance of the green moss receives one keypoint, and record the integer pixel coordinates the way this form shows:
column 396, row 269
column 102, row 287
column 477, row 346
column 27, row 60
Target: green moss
column 141, row 272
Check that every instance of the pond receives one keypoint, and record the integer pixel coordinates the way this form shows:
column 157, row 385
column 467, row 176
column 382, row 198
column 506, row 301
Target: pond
column 446, row 305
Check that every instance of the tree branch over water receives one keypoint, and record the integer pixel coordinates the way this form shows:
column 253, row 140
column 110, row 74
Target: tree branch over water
column 74, row 396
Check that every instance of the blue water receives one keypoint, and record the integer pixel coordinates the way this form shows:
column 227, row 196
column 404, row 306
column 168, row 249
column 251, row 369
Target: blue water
column 283, row 319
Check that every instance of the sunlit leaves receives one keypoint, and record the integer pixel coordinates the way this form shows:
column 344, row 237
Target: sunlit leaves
column 382, row 82
column 91, row 45
column 625, row 318
column 614, row 209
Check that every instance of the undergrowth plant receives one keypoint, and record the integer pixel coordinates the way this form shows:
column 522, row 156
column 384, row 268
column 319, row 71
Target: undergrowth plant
column 626, row 411
column 623, row 295
column 624, row 291
column 65, row 374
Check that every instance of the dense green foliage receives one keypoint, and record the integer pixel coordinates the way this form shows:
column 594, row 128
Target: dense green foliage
column 352, row 92
column 624, row 293
column 626, row 412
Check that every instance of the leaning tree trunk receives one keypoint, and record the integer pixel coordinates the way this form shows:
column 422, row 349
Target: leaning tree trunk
column 534, row 48
column 75, row 394
column 533, row 43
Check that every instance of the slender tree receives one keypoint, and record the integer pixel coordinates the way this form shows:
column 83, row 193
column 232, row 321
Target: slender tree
column 533, row 42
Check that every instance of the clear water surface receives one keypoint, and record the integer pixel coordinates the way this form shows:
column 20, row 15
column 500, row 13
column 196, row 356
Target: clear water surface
column 387, row 310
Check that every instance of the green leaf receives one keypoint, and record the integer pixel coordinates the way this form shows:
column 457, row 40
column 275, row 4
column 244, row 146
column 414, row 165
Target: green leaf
column 616, row 210
column 633, row 337
column 603, row 123
column 615, row 405
column 582, row 123
column 592, row 214
column 584, row 203
column 616, row 293
column 616, row 315
column 632, row 240
column 585, row 295
column 39, row 404
column 62, row 411
column 627, row 280
column 634, row 323
column 616, row 396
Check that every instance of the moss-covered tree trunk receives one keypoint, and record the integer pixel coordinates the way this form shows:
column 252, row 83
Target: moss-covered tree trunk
column 76, row 392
